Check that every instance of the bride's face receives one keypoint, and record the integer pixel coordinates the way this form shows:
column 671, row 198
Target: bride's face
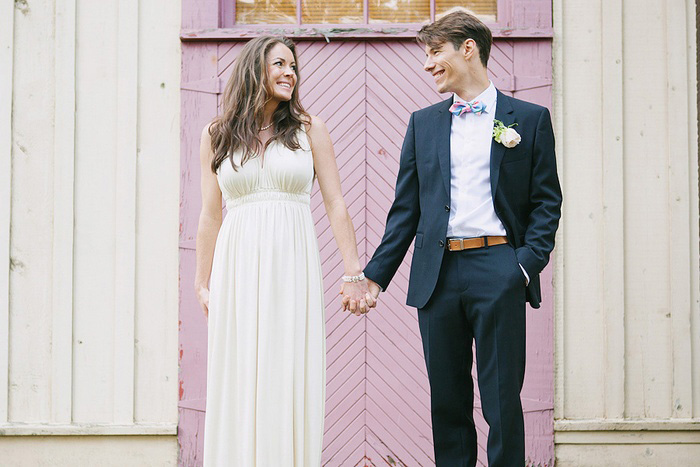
column 281, row 72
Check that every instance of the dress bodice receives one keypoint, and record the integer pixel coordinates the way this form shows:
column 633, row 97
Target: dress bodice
column 279, row 174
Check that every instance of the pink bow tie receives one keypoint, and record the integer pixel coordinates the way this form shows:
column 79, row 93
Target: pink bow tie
column 458, row 108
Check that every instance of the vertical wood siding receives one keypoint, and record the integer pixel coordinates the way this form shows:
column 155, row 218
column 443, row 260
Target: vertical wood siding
column 628, row 313
column 63, row 199
column 7, row 19
column 89, row 141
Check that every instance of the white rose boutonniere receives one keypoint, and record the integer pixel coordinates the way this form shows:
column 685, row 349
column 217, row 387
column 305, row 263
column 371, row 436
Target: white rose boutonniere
column 506, row 135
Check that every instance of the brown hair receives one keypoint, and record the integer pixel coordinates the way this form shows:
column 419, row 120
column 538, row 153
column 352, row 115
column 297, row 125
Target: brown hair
column 245, row 96
column 455, row 28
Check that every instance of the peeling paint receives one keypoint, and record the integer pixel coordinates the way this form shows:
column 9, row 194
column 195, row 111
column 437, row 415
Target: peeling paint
column 16, row 265
column 22, row 6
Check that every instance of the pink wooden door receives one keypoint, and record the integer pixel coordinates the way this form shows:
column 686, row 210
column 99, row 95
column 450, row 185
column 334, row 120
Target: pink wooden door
column 377, row 406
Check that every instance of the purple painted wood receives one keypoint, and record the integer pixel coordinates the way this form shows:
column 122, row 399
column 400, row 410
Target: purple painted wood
column 197, row 108
column 200, row 14
column 377, row 407
column 343, row 32
column 377, row 388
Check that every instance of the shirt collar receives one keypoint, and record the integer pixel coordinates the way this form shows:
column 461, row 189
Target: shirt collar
column 488, row 97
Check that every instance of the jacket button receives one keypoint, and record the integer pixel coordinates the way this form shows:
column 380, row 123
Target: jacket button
column 441, row 244
column 447, row 208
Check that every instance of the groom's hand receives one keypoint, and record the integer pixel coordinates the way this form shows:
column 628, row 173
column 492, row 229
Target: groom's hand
column 374, row 290
column 356, row 297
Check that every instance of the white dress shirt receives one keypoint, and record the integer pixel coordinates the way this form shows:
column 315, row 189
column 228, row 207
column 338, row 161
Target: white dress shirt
column 472, row 213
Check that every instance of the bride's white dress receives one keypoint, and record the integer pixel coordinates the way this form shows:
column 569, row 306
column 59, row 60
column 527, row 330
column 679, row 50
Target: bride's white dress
column 266, row 348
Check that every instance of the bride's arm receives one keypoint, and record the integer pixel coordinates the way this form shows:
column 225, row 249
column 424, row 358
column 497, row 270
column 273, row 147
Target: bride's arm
column 209, row 222
column 341, row 223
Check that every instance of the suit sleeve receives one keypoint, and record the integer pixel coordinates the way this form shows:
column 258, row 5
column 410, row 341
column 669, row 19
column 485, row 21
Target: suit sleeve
column 402, row 220
column 545, row 200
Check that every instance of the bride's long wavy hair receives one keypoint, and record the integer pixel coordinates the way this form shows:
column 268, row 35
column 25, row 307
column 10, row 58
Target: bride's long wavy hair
column 247, row 91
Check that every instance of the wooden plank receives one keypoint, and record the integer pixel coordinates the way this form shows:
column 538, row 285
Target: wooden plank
column 331, row 32
column 613, row 214
column 201, row 13
column 125, row 210
column 7, row 16
column 693, row 32
column 648, row 323
column 87, row 429
column 558, row 259
column 582, row 182
column 526, row 13
column 63, row 213
column 157, row 214
column 682, row 147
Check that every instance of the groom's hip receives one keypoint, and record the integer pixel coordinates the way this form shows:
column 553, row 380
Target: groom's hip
column 486, row 260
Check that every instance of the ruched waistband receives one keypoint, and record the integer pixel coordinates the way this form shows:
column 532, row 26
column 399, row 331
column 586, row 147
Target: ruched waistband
column 268, row 195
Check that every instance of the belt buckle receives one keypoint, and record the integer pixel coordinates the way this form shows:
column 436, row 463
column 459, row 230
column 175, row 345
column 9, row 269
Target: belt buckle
column 461, row 244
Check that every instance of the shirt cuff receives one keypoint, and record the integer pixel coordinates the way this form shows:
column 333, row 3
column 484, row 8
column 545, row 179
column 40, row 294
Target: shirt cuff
column 527, row 278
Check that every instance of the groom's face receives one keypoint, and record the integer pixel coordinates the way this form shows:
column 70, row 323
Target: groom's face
column 448, row 66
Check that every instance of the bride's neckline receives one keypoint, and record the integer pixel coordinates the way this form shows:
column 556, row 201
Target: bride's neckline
column 266, row 145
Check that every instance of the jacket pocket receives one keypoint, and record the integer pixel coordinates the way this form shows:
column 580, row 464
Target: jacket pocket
column 419, row 240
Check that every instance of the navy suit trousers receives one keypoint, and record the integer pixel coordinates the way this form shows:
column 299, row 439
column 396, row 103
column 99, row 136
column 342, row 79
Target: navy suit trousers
column 479, row 298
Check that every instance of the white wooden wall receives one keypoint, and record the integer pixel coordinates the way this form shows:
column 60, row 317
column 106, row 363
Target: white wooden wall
column 89, row 177
column 627, row 370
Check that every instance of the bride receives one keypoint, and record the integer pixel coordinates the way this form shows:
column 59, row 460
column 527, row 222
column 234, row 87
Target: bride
column 258, row 275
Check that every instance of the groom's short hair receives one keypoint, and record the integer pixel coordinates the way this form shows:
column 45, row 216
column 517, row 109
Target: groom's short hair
column 455, row 28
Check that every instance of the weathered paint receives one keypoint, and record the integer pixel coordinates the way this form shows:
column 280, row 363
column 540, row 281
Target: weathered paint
column 339, row 31
column 377, row 404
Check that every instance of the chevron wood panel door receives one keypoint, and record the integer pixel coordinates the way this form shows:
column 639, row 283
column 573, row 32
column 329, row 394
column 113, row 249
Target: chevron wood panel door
column 377, row 394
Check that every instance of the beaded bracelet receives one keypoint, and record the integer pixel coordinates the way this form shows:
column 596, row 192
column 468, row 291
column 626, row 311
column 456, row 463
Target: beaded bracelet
column 359, row 278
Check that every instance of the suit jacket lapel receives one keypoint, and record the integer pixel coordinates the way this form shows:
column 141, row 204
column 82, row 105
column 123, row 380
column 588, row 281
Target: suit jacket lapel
column 504, row 113
column 444, row 126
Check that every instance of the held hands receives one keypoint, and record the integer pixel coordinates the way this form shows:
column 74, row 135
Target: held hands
column 359, row 297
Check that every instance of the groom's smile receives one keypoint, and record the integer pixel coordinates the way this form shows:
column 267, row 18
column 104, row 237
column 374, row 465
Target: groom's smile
column 438, row 74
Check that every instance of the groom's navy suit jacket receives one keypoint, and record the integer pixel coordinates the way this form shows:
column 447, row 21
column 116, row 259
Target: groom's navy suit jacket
column 524, row 186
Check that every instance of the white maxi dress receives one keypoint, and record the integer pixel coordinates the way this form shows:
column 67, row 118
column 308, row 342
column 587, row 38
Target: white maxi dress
column 266, row 347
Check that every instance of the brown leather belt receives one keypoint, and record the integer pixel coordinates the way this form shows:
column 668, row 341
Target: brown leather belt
column 459, row 244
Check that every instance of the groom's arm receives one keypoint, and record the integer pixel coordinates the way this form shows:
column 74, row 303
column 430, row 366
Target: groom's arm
column 402, row 220
column 545, row 199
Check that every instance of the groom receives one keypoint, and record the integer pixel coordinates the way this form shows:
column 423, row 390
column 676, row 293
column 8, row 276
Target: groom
column 478, row 189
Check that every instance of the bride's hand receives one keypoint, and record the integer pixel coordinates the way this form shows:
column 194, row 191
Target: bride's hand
column 356, row 297
column 203, row 299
